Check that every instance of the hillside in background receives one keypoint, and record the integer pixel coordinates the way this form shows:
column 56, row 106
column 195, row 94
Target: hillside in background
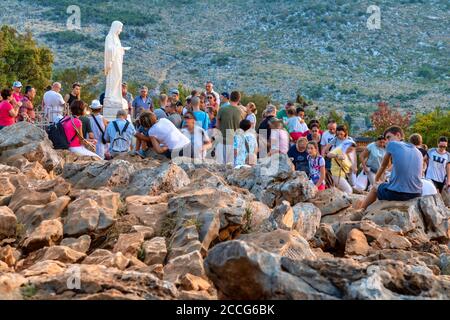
column 322, row 49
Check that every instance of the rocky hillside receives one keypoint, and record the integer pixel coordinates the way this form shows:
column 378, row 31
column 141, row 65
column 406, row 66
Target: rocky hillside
column 72, row 228
column 321, row 48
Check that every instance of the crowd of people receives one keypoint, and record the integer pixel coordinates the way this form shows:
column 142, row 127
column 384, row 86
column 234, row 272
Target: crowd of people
column 212, row 125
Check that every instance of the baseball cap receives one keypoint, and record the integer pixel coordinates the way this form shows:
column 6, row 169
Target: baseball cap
column 226, row 95
column 174, row 91
column 124, row 84
column 95, row 105
column 17, row 84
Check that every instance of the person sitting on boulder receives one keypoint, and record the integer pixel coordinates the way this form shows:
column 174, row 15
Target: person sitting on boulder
column 405, row 181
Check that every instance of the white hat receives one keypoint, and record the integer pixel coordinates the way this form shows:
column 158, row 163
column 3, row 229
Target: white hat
column 96, row 105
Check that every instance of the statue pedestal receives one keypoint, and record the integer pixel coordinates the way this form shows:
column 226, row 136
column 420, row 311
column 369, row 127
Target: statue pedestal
column 111, row 107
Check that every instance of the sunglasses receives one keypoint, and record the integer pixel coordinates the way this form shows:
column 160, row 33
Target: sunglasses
column 210, row 98
column 188, row 118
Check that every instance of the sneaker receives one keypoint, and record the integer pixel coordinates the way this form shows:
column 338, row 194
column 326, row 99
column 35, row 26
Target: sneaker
column 141, row 153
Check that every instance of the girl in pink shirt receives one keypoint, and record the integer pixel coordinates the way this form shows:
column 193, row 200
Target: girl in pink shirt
column 69, row 124
column 8, row 111
column 279, row 138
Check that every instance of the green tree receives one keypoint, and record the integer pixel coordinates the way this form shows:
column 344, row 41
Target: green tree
column 432, row 126
column 22, row 59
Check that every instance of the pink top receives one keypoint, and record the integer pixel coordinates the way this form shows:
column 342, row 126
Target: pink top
column 17, row 96
column 279, row 139
column 5, row 118
column 70, row 131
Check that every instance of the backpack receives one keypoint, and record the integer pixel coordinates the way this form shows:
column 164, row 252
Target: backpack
column 57, row 135
column 120, row 144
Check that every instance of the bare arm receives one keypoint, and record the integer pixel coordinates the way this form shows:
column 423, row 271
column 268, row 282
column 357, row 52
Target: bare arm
column 156, row 145
column 322, row 177
column 448, row 174
column 363, row 157
column 384, row 164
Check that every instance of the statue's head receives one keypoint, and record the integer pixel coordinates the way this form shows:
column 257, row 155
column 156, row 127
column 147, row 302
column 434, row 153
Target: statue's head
column 116, row 28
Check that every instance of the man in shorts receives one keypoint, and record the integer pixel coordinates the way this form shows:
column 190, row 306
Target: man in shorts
column 405, row 182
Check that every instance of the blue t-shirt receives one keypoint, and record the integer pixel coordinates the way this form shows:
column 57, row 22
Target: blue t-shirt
column 300, row 159
column 407, row 164
column 201, row 119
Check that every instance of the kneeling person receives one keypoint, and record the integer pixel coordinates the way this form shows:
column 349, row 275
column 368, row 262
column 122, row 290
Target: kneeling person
column 119, row 133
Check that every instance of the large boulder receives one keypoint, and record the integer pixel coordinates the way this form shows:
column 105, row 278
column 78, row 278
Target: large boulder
column 331, row 201
column 153, row 181
column 356, row 243
column 8, row 222
column 306, row 219
column 151, row 211
column 435, row 215
column 80, row 244
column 384, row 237
column 48, row 233
column 30, row 142
column 31, row 216
column 108, row 259
column 404, row 214
column 113, row 174
column 241, row 270
column 98, row 282
column 274, row 180
column 188, row 263
column 92, row 212
column 155, row 251
column 23, row 196
column 282, row 242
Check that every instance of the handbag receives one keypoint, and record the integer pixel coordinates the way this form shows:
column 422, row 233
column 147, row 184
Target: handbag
column 83, row 141
column 362, row 181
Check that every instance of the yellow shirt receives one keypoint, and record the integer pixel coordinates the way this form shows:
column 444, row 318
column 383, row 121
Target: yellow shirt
column 345, row 165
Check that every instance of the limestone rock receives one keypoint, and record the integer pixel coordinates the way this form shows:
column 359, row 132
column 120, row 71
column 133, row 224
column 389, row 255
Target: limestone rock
column 6, row 187
column 356, row 243
column 284, row 243
column 129, row 244
column 325, row 238
column 185, row 240
column 29, row 141
column 436, row 216
column 331, row 201
column 108, row 259
column 189, row 263
column 10, row 286
column 80, row 244
column 24, row 196
column 113, row 174
column 384, row 237
column 100, row 282
column 31, row 216
column 404, row 214
column 8, row 222
column 49, row 233
column 152, row 181
column 155, row 251
column 91, row 212
column 189, row 282
column 306, row 219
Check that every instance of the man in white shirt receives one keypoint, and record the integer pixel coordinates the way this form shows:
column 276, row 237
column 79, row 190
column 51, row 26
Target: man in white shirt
column 210, row 90
column 54, row 103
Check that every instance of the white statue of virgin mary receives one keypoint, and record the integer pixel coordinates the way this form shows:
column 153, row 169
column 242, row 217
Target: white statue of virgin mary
column 114, row 53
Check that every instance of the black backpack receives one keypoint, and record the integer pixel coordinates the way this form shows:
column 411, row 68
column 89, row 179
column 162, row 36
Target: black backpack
column 57, row 135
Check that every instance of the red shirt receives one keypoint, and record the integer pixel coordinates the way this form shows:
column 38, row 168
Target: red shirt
column 5, row 118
